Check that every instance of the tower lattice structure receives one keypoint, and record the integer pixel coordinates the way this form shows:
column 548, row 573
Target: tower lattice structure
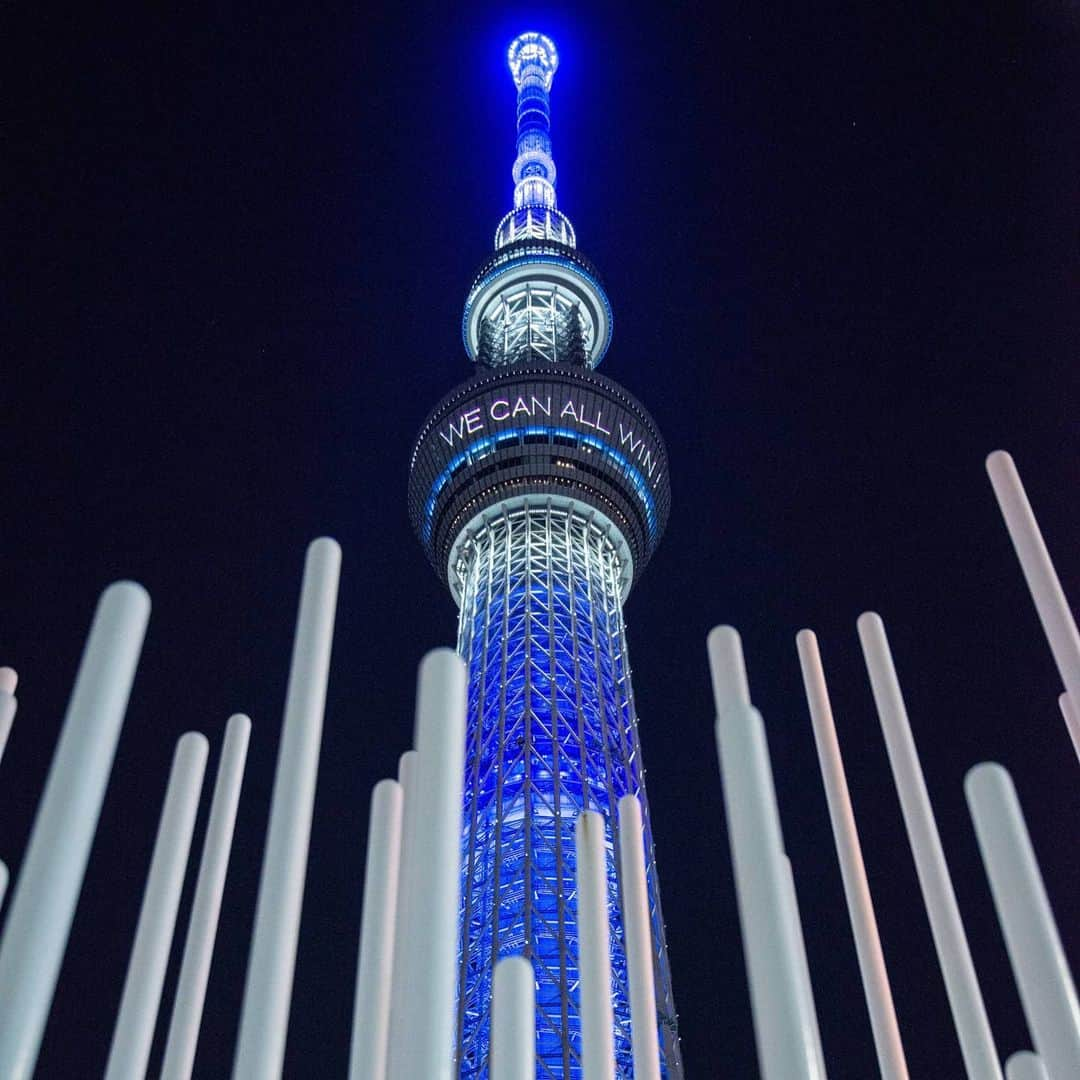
column 539, row 489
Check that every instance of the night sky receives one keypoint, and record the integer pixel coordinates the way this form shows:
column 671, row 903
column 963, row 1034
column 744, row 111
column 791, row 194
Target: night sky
column 841, row 244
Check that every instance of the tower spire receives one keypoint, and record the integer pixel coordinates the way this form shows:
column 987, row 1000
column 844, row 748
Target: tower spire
column 533, row 62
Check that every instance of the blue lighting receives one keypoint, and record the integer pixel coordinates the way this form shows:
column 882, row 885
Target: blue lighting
column 489, row 442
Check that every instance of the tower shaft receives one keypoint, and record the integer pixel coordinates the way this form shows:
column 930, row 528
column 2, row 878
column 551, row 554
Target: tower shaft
column 551, row 731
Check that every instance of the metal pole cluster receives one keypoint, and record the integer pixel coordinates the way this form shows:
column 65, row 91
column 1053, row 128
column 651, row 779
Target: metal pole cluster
column 407, row 979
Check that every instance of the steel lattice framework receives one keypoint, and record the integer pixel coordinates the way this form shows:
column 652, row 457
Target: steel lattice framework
column 551, row 731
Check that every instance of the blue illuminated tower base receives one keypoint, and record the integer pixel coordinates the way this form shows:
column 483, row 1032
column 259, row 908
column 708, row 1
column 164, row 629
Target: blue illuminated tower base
column 552, row 731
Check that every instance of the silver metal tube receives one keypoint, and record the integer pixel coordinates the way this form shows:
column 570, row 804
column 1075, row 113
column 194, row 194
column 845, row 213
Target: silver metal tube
column 875, row 977
column 264, row 1021
column 954, row 956
column 374, row 971
column 190, row 997
column 1024, row 1065
column 432, row 876
column 1042, row 579
column 133, row 1035
column 513, row 1020
column 594, row 949
column 1038, row 960
column 786, row 1049
column 637, row 934
column 51, row 876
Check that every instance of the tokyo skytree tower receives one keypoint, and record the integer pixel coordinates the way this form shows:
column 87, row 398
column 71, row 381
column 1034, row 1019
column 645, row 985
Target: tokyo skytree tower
column 539, row 490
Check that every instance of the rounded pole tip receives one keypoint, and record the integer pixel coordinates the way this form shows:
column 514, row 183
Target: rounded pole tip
column 723, row 637
column 986, row 775
column 384, row 789
column 238, row 722
column 324, row 547
column 193, row 742
column 9, row 679
column 805, row 639
column 869, row 622
column 997, row 460
column 127, row 594
column 443, row 661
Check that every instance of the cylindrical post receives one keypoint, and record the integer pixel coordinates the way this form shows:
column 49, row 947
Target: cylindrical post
column 810, row 1020
column 1042, row 580
column 134, row 1031
column 8, row 704
column 513, row 1020
column 727, row 668
column 1072, row 720
column 51, row 876
column 432, row 878
column 875, row 978
column 638, row 936
column 594, row 949
column 3, row 882
column 374, row 973
column 206, row 907
column 954, row 956
column 407, row 766
column 1024, row 1065
column 1038, row 960
column 268, row 991
column 786, row 1049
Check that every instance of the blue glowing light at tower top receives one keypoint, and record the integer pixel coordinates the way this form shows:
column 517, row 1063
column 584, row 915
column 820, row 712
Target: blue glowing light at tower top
column 533, row 61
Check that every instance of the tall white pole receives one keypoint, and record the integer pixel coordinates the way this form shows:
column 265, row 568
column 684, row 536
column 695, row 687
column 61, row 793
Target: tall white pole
column 135, row 1022
column 810, row 1020
column 875, row 977
column 206, row 907
column 8, row 704
column 3, row 882
column 1024, row 1065
column 594, row 949
column 1038, row 960
column 429, row 938
column 1072, row 720
column 513, row 1020
column 637, row 933
column 786, row 1049
column 374, row 973
column 407, row 766
column 264, row 1021
column 51, row 876
column 954, row 956
column 1042, row 580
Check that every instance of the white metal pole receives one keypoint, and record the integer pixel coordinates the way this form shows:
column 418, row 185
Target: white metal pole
column 1024, row 1065
column 190, row 997
column 1072, row 720
column 954, row 956
column 727, row 668
column 638, row 937
column 1042, row 580
column 51, row 876
column 3, row 882
column 264, row 1021
column 137, row 1017
column 513, row 1020
column 1038, row 960
column 594, row 949
column 785, row 1043
column 374, row 973
column 407, row 766
column 810, row 1019
column 424, row 1050
column 875, row 977
column 8, row 704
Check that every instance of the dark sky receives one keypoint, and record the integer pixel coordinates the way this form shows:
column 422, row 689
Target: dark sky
column 842, row 247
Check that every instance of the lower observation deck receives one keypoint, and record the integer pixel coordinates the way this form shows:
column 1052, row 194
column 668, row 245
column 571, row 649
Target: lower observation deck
column 544, row 429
